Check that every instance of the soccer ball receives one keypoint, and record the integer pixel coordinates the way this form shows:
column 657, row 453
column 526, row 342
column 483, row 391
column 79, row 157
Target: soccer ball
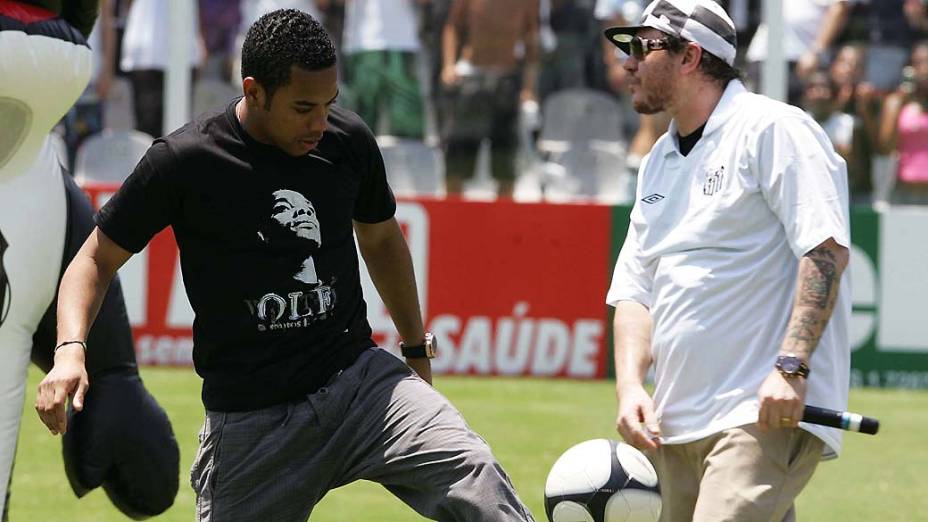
column 602, row 481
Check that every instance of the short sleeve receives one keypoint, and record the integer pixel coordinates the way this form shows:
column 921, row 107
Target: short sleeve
column 375, row 201
column 804, row 182
column 145, row 204
column 633, row 276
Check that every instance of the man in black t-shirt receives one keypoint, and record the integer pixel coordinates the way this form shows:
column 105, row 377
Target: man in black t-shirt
column 265, row 199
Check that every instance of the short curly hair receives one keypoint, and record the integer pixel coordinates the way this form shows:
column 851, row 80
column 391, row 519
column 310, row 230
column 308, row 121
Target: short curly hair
column 281, row 39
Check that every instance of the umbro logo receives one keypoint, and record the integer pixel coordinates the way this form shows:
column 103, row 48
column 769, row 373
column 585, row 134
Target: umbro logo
column 653, row 198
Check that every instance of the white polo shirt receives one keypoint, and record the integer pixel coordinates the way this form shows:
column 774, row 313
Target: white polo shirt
column 713, row 250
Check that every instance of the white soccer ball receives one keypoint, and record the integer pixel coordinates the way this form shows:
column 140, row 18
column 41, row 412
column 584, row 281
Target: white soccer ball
column 602, row 481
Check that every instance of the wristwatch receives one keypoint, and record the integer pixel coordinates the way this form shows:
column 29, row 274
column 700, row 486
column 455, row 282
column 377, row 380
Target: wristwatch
column 791, row 366
column 428, row 348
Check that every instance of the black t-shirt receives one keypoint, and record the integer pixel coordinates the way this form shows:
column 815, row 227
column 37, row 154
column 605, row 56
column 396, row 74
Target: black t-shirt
column 266, row 249
column 689, row 141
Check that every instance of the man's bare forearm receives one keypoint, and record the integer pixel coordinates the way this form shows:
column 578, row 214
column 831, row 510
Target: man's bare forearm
column 449, row 43
column 530, row 78
column 80, row 295
column 532, row 56
column 834, row 22
column 85, row 283
column 816, row 292
column 392, row 273
column 390, row 265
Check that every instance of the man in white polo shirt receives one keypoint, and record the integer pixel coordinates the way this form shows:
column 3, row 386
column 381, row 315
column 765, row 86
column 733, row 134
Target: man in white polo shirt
column 728, row 282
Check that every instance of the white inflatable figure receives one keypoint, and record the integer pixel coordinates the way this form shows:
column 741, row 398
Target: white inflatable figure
column 121, row 440
column 40, row 78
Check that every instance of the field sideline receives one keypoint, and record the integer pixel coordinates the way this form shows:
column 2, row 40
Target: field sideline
column 528, row 422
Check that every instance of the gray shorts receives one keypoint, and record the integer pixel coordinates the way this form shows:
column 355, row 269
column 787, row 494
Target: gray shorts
column 376, row 421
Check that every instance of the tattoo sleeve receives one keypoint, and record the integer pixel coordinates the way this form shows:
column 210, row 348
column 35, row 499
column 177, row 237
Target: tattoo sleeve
column 816, row 291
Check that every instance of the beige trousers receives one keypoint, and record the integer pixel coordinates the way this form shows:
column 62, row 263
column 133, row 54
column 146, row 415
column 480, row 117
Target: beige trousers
column 738, row 474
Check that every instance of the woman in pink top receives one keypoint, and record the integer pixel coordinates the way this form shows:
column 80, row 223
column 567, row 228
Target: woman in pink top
column 904, row 129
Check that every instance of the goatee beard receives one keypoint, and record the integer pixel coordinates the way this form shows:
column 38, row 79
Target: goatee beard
column 648, row 107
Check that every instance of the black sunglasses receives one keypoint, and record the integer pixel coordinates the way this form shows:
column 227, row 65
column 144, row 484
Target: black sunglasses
column 640, row 47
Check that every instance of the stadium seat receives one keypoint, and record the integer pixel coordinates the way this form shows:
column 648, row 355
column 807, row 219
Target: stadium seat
column 579, row 115
column 581, row 140
column 413, row 167
column 210, row 93
column 118, row 110
column 110, row 156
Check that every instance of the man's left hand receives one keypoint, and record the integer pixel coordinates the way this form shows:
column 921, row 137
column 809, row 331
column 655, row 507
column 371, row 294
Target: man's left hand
column 782, row 400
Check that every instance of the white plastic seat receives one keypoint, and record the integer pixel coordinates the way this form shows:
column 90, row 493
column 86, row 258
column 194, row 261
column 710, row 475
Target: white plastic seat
column 110, row 156
column 413, row 167
column 118, row 111
column 583, row 145
column 210, row 94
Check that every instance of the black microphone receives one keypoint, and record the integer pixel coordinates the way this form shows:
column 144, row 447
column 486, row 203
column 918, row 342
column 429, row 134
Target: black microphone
column 844, row 420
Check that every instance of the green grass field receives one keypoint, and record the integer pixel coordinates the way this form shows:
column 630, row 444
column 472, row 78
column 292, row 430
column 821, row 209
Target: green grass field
column 528, row 422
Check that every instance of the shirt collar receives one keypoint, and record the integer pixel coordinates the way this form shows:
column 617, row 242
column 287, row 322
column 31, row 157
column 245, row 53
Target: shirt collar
column 723, row 111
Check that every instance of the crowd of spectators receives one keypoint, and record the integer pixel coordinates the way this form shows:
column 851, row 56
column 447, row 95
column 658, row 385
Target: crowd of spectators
column 464, row 74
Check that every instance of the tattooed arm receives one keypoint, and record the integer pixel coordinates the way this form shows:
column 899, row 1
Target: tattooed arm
column 816, row 291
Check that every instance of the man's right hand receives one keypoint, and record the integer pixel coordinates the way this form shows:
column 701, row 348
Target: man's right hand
column 636, row 420
column 449, row 77
column 68, row 377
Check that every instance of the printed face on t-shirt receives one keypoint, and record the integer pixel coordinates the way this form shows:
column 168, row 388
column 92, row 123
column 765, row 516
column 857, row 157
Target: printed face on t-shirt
column 292, row 230
column 298, row 112
column 294, row 212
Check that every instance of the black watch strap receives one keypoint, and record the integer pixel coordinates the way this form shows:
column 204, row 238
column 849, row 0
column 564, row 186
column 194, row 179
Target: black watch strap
column 414, row 352
column 420, row 351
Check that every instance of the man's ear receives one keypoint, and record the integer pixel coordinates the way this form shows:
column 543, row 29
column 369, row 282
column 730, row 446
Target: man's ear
column 692, row 54
column 255, row 95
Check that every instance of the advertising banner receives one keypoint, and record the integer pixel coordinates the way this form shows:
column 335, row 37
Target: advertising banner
column 889, row 280
column 519, row 289
column 512, row 289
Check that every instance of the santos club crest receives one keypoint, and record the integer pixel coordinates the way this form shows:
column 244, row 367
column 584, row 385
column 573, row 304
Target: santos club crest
column 713, row 181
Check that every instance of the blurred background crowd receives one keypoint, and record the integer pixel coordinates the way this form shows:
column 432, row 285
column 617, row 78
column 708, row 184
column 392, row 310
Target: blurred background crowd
column 521, row 99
